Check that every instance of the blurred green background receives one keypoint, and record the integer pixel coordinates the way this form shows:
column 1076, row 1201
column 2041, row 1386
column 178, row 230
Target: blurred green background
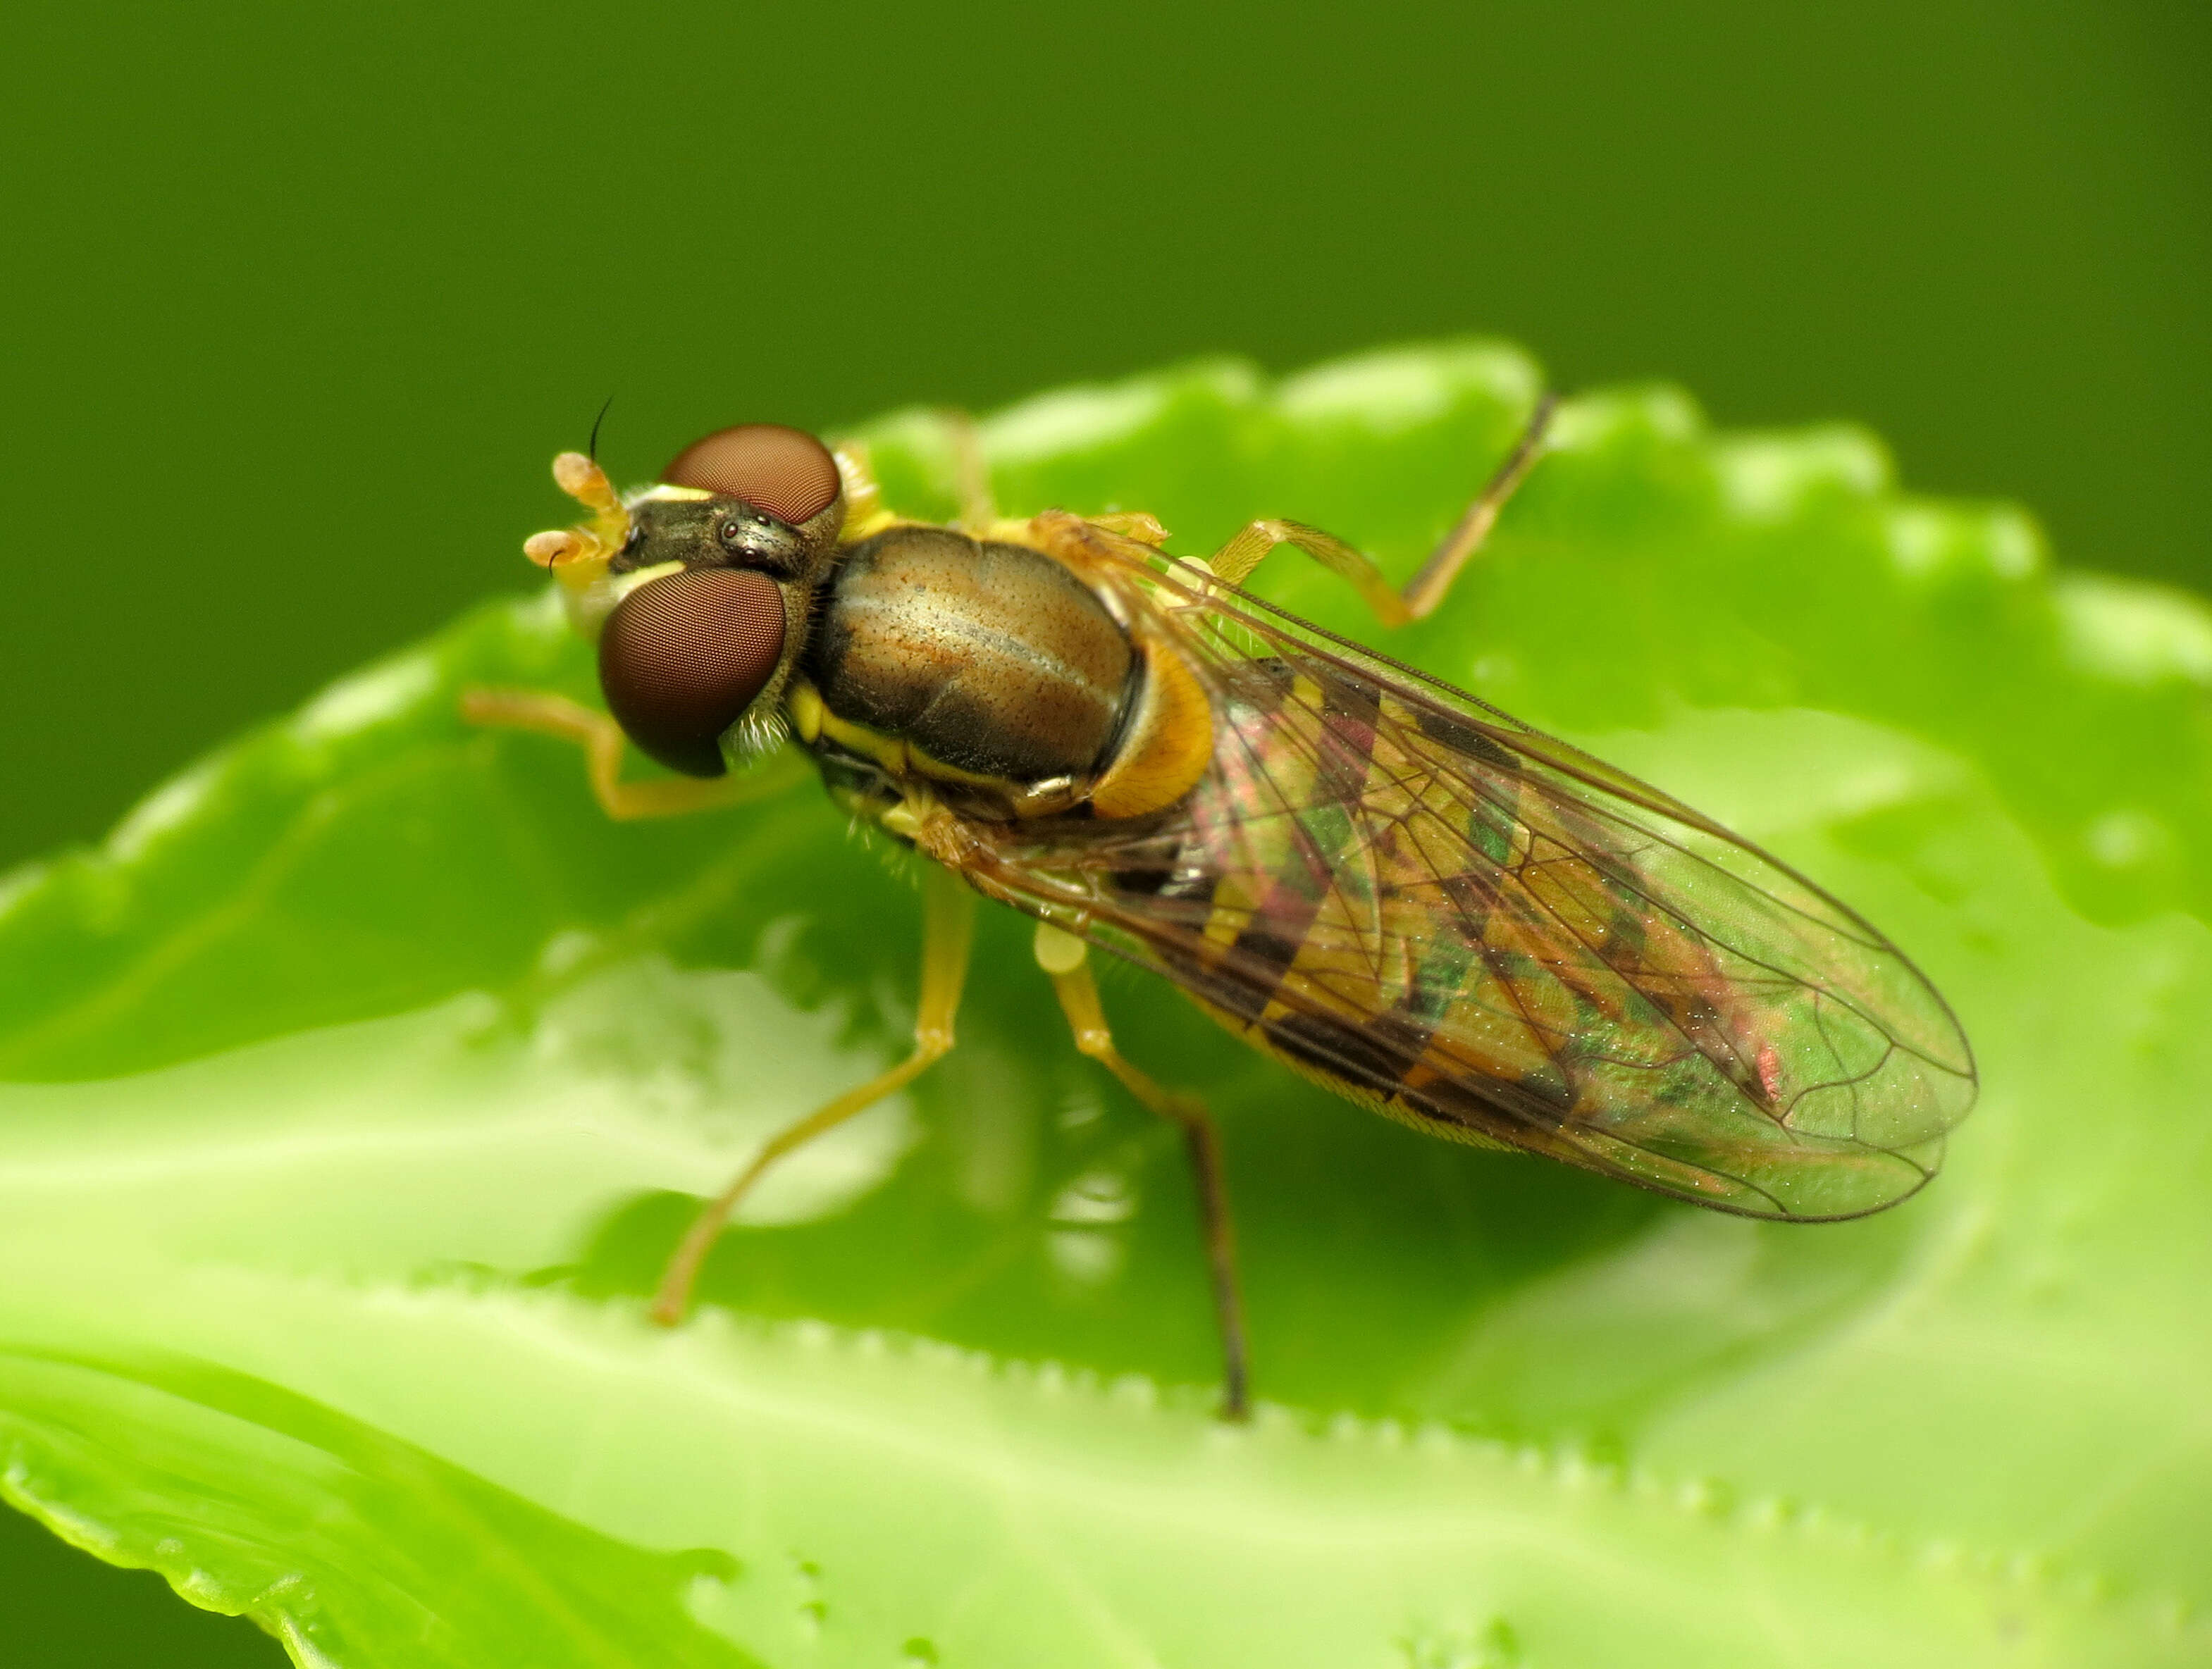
column 302, row 301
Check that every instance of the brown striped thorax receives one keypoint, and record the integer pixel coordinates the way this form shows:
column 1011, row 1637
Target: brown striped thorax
column 1433, row 909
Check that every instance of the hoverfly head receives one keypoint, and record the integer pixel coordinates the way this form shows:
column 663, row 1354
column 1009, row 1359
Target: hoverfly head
column 699, row 594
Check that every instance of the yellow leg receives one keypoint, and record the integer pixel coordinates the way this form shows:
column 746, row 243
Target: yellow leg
column 1062, row 955
column 948, row 932
column 864, row 497
column 603, row 742
column 971, row 474
column 1235, row 560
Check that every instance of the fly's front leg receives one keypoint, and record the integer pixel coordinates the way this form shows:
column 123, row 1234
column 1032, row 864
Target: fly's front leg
column 864, row 495
column 978, row 514
column 1235, row 560
column 1064, row 957
column 603, row 742
column 948, row 932
column 971, row 474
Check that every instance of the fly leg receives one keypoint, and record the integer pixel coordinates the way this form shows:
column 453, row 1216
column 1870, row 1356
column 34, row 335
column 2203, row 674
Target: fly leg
column 1063, row 956
column 948, row 932
column 1235, row 560
column 1426, row 589
column 603, row 742
column 971, row 474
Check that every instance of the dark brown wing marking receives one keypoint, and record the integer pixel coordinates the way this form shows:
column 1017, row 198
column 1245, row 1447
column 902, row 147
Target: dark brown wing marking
column 1472, row 926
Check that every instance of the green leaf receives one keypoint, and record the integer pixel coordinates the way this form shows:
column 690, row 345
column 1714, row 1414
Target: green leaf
column 362, row 1082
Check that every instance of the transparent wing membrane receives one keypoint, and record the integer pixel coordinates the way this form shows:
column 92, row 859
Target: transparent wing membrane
column 1473, row 928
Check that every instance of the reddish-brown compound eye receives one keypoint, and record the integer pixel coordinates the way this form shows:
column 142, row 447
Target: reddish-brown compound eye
column 682, row 656
column 785, row 471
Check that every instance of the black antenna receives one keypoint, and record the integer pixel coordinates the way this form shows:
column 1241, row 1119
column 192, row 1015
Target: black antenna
column 592, row 452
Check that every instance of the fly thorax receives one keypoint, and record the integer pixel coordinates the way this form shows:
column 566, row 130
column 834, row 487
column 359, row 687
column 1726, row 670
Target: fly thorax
column 969, row 661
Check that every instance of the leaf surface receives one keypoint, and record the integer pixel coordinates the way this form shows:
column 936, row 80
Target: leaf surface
column 358, row 1087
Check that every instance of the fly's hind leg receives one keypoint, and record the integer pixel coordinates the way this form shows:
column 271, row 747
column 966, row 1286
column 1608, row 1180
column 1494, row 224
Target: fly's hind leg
column 1235, row 560
column 1063, row 956
column 603, row 742
column 948, row 932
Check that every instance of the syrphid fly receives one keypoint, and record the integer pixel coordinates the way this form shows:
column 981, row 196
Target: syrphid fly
column 1389, row 885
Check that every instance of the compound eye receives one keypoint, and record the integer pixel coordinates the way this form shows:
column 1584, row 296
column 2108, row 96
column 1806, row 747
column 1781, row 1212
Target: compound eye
column 785, row 471
column 681, row 657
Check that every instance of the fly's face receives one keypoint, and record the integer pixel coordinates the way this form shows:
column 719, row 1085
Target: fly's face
column 698, row 589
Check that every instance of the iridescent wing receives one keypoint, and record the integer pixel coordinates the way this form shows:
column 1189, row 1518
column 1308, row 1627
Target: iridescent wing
column 1471, row 926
